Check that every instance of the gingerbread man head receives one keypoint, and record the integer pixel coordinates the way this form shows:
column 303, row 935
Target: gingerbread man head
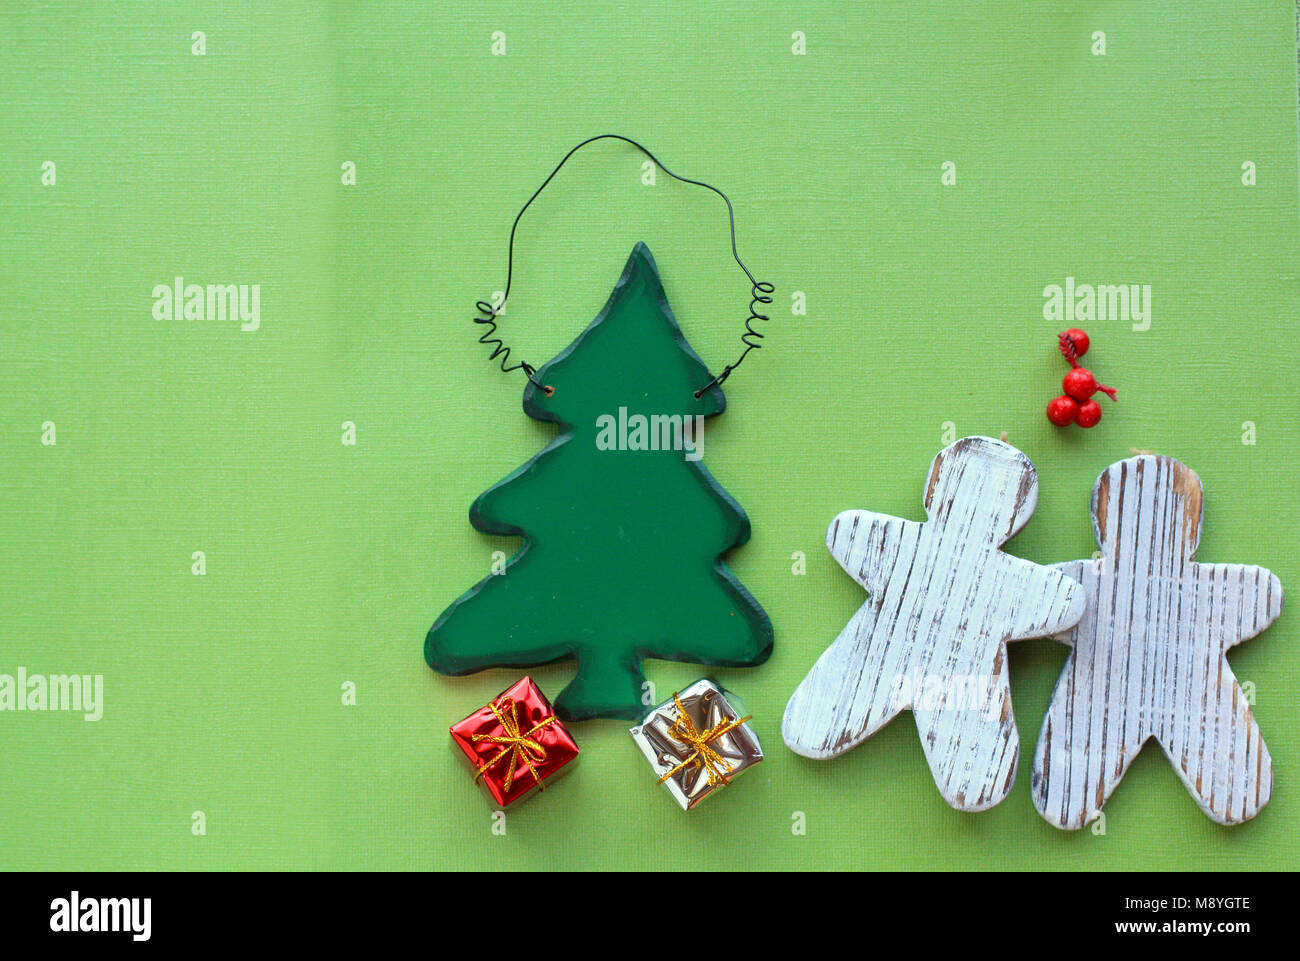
column 988, row 473
column 1125, row 484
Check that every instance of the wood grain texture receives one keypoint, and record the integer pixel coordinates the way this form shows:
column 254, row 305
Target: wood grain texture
column 945, row 600
column 1148, row 657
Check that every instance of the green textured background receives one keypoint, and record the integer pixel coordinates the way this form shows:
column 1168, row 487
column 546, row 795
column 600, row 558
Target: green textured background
column 328, row 563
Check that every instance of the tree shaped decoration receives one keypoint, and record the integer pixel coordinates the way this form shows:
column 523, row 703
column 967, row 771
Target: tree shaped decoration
column 1147, row 660
column 623, row 526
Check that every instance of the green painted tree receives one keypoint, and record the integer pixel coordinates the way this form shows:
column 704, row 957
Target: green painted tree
column 624, row 527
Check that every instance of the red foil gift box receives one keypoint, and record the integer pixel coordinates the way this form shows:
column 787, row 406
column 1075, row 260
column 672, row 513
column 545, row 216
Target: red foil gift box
column 515, row 743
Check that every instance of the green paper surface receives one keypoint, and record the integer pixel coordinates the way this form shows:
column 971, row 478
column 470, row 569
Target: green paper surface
column 325, row 562
column 623, row 523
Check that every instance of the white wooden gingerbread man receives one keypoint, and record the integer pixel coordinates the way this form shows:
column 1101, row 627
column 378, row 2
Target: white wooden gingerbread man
column 945, row 600
column 1148, row 656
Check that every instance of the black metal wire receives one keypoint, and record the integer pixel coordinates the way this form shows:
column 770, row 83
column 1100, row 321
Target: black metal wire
column 760, row 291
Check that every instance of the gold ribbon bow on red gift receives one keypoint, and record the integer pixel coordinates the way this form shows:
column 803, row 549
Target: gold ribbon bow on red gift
column 702, row 753
column 516, row 744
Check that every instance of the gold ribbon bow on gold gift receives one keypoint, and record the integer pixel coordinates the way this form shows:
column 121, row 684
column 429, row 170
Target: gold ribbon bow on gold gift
column 702, row 753
column 516, row 744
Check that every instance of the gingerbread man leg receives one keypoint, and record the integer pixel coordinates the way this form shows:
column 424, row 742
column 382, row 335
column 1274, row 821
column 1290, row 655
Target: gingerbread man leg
column 1073, row 775
column 968, row 732
column 1219, row 753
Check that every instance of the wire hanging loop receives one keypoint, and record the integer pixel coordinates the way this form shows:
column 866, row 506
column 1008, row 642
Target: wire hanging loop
column 760, row 291
column 499, row 349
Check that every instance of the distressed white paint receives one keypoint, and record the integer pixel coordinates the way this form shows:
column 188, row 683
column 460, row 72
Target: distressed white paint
column 1148, row 656
column 945, row 600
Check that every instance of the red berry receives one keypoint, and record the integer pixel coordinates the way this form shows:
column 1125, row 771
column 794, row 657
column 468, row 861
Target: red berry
column 1080, row 384
column 1089, row 414
column 1079, row 339
column 1062, row 410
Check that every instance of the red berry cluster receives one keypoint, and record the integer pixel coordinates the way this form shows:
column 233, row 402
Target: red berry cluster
column 1076, row 404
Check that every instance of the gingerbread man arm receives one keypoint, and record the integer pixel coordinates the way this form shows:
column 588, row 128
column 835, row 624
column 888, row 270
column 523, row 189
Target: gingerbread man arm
column 1250, row 598
column 1046, row 600
column 869, row 546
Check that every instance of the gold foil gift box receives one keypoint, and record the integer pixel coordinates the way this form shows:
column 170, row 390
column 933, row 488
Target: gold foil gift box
column 698, row 741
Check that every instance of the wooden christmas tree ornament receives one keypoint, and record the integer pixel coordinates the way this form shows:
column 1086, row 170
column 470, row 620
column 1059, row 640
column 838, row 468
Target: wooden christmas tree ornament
column 623, row 525
column 945, row 600
column 1148, row 656
column 624, row 528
